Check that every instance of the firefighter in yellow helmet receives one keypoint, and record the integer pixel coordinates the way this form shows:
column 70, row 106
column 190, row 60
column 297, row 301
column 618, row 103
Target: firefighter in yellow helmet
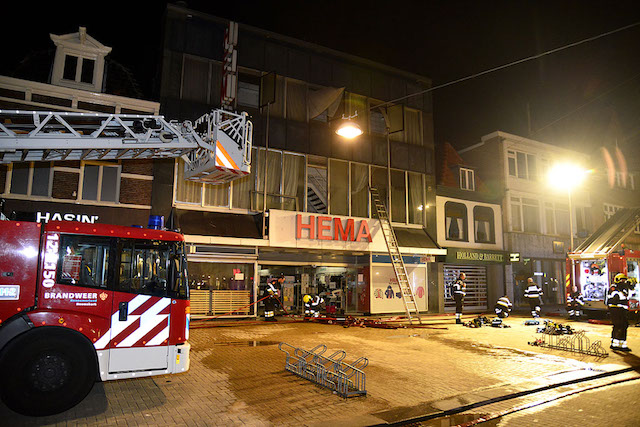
column 312, row 306
column 618, row 303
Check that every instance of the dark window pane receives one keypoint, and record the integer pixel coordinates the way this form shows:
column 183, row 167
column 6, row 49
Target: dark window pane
column 70, row 65
column 531, row 165
column 359, row 190
column 512, row 166
column 41, row 174
column 317, row 190
column 109, row 184
column 338, row 187
column 20, row 178
column 398, row 197
column 87, row 70
column 416, row 198
column 84, row 261
column 90, row 182
column 522, row 165
column 379, row 180
column 455, row 221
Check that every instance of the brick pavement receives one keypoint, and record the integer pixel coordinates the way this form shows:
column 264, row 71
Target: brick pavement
column 237, row 376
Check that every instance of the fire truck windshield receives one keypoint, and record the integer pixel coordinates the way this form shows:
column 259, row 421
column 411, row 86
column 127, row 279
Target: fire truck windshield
column 149, row 267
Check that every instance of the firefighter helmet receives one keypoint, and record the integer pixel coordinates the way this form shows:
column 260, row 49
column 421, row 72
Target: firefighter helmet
column 306, row 298
column 620, row 277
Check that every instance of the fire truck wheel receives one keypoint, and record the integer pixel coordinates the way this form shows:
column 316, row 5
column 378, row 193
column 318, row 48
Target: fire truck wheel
column 52, row 370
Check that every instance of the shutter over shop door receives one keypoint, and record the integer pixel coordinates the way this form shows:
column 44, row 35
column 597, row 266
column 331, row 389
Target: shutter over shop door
column 476, row 298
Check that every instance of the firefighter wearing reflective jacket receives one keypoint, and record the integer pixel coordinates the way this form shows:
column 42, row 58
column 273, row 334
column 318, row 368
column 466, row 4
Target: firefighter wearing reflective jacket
column 459, row 291
column 533, row 294
column 618, row 302
column 272, row 294
column 574, row 303
column 312, row 305
column 503, row 307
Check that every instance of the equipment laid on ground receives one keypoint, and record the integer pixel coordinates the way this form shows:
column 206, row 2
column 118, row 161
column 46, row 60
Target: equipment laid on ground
column 347, row 380
column 531, row 322
column 497, row 323
column 553, row 328
column 576, row 343
column 406, row 292
column 477, row 322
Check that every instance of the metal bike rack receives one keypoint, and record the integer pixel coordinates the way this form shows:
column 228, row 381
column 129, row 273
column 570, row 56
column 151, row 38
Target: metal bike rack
column 347, row 380
column 576, row 343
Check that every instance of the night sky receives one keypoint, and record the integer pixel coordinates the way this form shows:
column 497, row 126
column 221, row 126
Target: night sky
column 584, row 97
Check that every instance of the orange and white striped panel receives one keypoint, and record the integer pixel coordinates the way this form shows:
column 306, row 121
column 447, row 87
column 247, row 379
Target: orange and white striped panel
column 223, row 159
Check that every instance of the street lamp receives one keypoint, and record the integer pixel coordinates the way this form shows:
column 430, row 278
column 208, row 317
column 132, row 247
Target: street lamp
column 348, row 128
column 567, row 176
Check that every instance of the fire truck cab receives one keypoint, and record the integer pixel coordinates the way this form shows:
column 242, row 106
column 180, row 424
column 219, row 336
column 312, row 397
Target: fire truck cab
column 84, row 302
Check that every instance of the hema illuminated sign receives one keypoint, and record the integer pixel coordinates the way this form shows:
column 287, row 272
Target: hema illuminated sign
column 331, row 228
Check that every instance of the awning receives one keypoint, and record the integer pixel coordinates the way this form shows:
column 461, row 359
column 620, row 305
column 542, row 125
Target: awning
column 610, row 234
column 413, row 240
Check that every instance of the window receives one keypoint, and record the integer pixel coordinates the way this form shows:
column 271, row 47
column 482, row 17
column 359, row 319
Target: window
column 549, row 218
column 522, row 165
column 31, row 179
column 248, row 94
column 455, row 221
column 467, row 179
column 78, row 69
column 377, row 122
column 85, row 261
column 152, row 268
column 317, row 187
column 101, row 182
column 525, row 215
column 416, row 205
column 609, row 210
column 398, row 196
column 562, row 219
column 359, row 190
column 339, row 187
column 413, row 127
column 530, row 215
column 296, row 100
column 484, row 224
column 628, row 183
column 516, row 214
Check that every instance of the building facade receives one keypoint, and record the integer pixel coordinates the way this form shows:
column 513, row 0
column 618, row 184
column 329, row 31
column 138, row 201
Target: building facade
column 470, row 228
column 321, row 232
column 115, row 192
column 536, row 212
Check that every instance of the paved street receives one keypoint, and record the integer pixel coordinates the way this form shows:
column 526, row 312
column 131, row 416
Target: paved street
column 237, row 377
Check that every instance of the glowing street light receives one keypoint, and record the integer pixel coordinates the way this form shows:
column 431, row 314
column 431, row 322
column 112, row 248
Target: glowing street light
column 567, row 176
column 348, row 128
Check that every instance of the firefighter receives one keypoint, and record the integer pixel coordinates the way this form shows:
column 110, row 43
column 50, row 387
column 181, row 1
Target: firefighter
column 533, row 294
column 312, row 306
column 574, row 303
column 503, row 307
column 459, row 291
column 618, row 303
column 272, row 292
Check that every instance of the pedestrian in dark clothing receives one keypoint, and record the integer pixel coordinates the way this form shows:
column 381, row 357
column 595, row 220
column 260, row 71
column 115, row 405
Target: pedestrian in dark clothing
column 459, row 291
column 618, row 303
column 533, row 294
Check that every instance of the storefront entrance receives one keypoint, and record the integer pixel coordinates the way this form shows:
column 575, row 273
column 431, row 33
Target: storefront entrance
column 221, row 288
column 476, row 298
column 343, row 288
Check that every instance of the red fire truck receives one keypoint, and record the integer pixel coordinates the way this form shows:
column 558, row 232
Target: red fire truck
column 598, row 259
column 84, row 302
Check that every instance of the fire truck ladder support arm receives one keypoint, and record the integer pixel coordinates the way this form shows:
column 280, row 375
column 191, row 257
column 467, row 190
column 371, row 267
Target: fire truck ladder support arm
column 217, row 138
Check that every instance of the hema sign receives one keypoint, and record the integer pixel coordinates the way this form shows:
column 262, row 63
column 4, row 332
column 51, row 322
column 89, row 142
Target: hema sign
column 331, row 232
column 331, row 228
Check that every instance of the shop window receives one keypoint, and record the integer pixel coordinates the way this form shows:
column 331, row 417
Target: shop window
column 100, row 182
column 484, row 224
column 467, row 179
column 84, row 261
column 31, row 179
column 359, row 190
column 456, row 221
column 416, row 205
column 220, row 288
column 338, row 187
column 398, row 196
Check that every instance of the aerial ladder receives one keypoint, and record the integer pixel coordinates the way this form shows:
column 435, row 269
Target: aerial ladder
column 216, row 147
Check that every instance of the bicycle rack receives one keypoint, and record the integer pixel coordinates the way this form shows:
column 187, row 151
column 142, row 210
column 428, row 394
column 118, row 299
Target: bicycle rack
column 347, row 380
column 576, row 343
